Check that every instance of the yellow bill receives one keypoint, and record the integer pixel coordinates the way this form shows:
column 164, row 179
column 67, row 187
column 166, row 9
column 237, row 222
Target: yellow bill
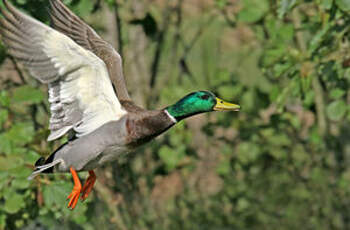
column 222, row 105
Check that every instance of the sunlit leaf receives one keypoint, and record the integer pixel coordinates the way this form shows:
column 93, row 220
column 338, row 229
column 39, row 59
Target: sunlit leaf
column 326, row 4
column 170, row 157
column 224, row 168
column 22, row 183
column 84, row 7
column 3, row 116
column 337, row 93
column 343, row 4
column 21, row 133
column 2, row 221
column 10, row 162
column 253, row 10
column 4, row 98
column 5, row 143
column 27, row 94
column 285, row 6
column 13, row 203
column 336, row 110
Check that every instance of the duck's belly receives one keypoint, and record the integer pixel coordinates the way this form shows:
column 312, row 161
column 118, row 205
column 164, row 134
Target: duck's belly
column 108, row 155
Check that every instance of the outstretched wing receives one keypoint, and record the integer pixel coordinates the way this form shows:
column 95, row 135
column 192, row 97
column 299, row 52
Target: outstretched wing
column 65, row 21
column 80, row 91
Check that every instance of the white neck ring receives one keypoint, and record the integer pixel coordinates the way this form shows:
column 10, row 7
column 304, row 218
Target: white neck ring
column 173, row 119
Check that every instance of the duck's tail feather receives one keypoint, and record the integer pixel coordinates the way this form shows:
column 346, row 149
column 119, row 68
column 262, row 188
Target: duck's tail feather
column 46, row 166
column 42, row 168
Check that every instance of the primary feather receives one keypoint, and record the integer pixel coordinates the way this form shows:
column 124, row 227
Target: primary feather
column 80, row 91
column 63, row 20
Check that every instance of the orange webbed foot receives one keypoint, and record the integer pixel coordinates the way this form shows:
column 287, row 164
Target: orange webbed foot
column 74, row 196
column 89, row 184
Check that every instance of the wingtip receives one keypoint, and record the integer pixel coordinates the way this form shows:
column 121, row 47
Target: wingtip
column 6, row 3
column 2, row 8
column 9, row 7
column 55, row 3
column 52, row 4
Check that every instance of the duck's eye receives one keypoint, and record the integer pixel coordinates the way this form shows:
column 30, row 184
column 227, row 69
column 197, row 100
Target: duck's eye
column 205, row 97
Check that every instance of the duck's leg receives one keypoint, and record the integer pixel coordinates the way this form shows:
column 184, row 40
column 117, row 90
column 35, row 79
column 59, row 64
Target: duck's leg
column 74, row 196
column 90, row 181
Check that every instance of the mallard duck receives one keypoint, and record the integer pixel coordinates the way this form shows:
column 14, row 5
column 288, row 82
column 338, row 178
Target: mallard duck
column 79, row 68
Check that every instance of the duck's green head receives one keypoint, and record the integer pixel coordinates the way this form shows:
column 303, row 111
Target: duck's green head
column 199, row 102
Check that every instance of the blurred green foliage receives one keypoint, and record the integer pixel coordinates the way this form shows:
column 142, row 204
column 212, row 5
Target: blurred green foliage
column 280, row 163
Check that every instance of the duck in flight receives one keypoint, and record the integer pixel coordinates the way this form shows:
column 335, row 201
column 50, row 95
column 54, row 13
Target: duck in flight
column 79, row 68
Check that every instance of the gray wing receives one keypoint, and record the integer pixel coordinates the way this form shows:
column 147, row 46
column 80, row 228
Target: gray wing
column 81, row 95
column 65, row 21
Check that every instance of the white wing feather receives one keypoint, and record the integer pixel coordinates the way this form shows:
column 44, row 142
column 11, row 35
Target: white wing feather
column 80, row 91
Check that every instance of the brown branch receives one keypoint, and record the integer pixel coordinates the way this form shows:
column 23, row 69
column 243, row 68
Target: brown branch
column 119, row 28
column 229, row 21
column 18, row 70
column 108, row 197
column 34, row 108
column 178, row 23
column 188, row 47
column 316, row 85
column 160, row 45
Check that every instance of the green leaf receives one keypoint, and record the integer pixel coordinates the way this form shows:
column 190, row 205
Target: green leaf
column 48, row 196
column 5, row 143
column 2, row 221
column 336, row 93
column 14, row 203
column 253, row 10
column 221, row 3
column 20, row 171
column 248, row 152
column 56, row 193
column 21, row 133
column 224, row 167
column 4, row 98
column 273, row 55
column 31, row 157
column 221, row 78
column 299, row 155
column 229, row 91
column 4, row 177
column 27, row 94
column 284, row 6
column 326, row 4
column 319, row 37
column 10, row 162
column 242, row 204
column 278, row 153
column 336, row 110
column 3, row 116
column 343, row 4
column 21, row 183
column 170, row 157
column 84, row 7
column 110, row 3
column 281, row 68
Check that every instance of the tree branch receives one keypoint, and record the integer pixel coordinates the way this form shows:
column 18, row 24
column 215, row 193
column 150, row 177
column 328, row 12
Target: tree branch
column 119, row 28
column 160, row 45
column 316, row 85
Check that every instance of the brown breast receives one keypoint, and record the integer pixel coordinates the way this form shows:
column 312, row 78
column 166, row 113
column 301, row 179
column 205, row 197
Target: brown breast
column 143, row 125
